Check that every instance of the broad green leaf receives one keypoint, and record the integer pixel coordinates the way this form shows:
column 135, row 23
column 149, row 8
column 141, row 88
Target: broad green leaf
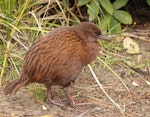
column 82, row 2
column 115, row 26
column 104, row 22
column 107, row 5
column 119, row 3
column 93, row 10
column 148, row 2
column 123, row 16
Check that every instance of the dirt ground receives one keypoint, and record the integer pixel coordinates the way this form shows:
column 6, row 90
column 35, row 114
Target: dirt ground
column 85, row 89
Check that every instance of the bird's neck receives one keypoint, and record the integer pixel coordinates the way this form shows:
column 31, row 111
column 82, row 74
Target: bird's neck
column 92, row 50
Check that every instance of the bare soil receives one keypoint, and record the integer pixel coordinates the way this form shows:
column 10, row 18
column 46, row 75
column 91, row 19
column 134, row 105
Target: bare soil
column 85, row 89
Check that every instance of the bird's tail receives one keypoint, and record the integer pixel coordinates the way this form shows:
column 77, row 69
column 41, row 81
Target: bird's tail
column 12, row 87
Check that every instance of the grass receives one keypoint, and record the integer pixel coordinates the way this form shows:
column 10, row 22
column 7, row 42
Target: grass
column 23, row 22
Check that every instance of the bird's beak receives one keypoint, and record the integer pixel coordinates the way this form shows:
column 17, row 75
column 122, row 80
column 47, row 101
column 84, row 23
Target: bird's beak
column 103, row 37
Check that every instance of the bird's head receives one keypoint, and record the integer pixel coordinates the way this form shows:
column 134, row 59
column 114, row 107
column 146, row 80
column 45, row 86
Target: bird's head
column 90, row 32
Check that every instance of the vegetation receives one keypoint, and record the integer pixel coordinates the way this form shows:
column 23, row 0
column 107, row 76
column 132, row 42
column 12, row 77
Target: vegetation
column 23, row 22
column 111, row 17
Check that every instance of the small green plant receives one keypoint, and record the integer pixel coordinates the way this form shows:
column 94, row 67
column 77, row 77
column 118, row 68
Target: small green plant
column 107, row 14
column 10, row 19
column 148, row 2
column 39, row 91
column 21, row 24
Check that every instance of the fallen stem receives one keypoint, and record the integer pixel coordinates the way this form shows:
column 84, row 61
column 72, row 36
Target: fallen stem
column 4, row 62
column 100, row 85
column 114, row 74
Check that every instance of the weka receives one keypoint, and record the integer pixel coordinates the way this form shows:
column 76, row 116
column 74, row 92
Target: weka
column 58, row 58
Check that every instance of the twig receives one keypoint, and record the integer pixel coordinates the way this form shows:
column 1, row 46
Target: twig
column 25, row 47
column 39, row 24
column 100, row 85
column 4, row 62
column 62, row 12
column 84, row 113
column 15, row 66
column 132, row 35
column 20, row 16
column 114, row 54
column 49, row 3
column 114, row 74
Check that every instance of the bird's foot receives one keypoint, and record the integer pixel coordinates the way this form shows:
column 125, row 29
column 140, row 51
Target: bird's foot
column 50, row 99
column 71, row 100
column 56, row 102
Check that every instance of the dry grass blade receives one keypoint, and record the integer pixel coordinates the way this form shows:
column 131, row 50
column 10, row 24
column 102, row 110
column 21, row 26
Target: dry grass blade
column 114, row 74
column 100, row 85
column 25, row 47
column 4, row 61
column 15, row 66
column 7, row 24
column 67, row 21
column 114, row 54
column 49, row 3
column 135, row 36
column 39, row 24
column 20, row 16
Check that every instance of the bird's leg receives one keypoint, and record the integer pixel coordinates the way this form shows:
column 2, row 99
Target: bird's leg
column 49, row 97
column 71, row 100
column 69, row 97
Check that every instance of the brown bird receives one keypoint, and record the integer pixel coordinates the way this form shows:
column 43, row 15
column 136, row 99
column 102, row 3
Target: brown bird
column 58, row 58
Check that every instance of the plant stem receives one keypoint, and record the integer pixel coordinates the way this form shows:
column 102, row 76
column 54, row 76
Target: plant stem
column 4, row 62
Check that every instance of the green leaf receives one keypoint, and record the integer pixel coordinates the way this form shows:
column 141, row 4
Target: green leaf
column 104, row 22
column 128, row 63
column 148, row 2
column 139, row 66
column 82, row 2
column 115, row 26
column 107, row 5
column 93, row 10
column 123, row 16
column 119, row 3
